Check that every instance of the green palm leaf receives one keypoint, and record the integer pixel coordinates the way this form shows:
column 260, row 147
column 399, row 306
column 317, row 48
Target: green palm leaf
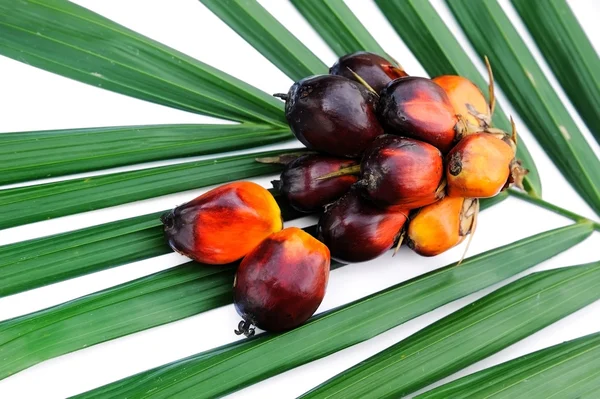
column 569, row 53
column 492, row 34
column 472, row 333
column 259, row 28
column 31, row 264
column 567, row 370
column 432, row 43
column 36, row 155
column 64, row 38
column 46, row 201
column 232, row 367
column 338, row 26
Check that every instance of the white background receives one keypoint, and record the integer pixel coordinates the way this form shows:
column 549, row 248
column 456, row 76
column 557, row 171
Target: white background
column 33, row 100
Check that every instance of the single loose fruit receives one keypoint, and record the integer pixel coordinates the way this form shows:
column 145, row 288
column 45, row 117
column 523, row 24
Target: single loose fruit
column 355, row 230
column 282, row 282
column 223, row 224
column 419, row 108
column 438, row 227
column 402, row 172
column 300, row 185
column 466, row 98
column 332, row 114
column 480, row 166
column 376, row 71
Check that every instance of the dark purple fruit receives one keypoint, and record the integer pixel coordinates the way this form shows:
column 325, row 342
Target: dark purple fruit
column 332, row 114
column 300, row 185
column 355, row 230
column 282, row 282
column 373, row 69
column 402, row 172
column 419, row 108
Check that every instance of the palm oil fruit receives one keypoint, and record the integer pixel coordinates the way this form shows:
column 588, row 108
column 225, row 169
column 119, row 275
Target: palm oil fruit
column 332, row 114
column 300, row 185
column 438, row 227
column 376, row 71
column 402, row 172
column 419, row 108
column 355, row 230
column 466, row 98
column 281, row 282
column 223, row 224
column 481, row 165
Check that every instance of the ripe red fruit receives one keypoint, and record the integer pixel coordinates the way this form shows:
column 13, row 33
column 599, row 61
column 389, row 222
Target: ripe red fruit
column 282, row 282
column 402, row 172
column 355, row 230
column 419, row 108
column 223, row 224
column 300, row 185
column 373, row 69
column 332, row 114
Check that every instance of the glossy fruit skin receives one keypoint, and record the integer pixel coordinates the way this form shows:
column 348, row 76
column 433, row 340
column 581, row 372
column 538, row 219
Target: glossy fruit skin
column 282, row 282
column 478, row 166
column 418, row 108
column 355, row 230
column 300, row 185
column 461, row 91
column 373, row 69
column 333, row 115
column 223, row 224
column 436, row 227
column 401, row 172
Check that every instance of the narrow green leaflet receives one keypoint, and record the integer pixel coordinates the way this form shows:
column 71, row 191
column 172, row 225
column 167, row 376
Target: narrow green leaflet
column 568, row 52
column 42, row 261
column 64, row 38
column 259, row 28
column 436, row 48
column 338, row 26
column 46, row 201
column 226, row 369
column 474, row 332
column 567, row 370
column 37, row 155
column 492, row 34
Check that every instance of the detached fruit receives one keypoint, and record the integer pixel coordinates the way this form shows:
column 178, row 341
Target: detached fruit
column 224, row 224
column 300, row 185
column 376, row 71
column 402, row 172
column 438, row 227
column 419, row 108
column 355, row 230
column 481, row 165
column 466, row 98
column 282, row 282
column 332, row 114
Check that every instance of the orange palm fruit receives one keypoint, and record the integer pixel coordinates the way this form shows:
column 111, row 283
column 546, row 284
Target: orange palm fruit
column 281, row 282
column 438, row 227
column 481, row 165
column 223, row 224
column 419, row 108
column 466, row 98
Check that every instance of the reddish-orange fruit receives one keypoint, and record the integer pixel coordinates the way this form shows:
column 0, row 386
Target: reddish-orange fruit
column 402, row 172
column 466, row 98
column 300, row 185
column 438, row 227
column 223, row 224
column 355, row 230
column 376, row 71
column 419, row 108
column 282, row 282
column 481, row 165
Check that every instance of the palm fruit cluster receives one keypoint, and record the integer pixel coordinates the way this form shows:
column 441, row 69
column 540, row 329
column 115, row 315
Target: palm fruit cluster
column 394, row 158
